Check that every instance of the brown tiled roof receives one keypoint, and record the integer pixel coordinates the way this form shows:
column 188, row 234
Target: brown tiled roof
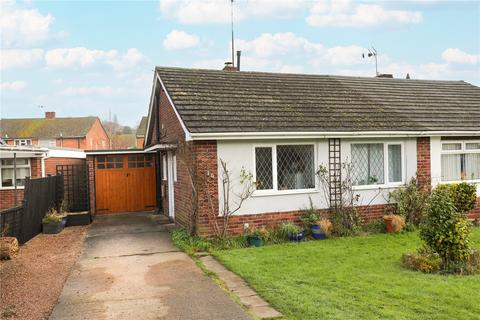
column 211, row 101
column 142, row 127
column 43, row 128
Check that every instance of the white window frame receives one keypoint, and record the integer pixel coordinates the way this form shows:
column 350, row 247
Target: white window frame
column 463, row 150
column 174, row 164
column 275, row 191
column 386, row 183
column 164, row 167
column 28, row 165
column 22, row 142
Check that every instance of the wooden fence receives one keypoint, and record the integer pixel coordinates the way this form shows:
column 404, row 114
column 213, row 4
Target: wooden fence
column 25, row 222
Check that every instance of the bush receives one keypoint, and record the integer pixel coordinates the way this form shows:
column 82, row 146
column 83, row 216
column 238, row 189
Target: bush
column 396, row 221
column 424, row 262
column 445, row 231
column 463, row 195
column 310, row 216
column 190, row 244
column 288, row 228
column 326, row 226
column 52, row 216
column 409, row 202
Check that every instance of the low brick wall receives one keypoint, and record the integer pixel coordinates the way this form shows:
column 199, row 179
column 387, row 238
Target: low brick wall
column 8, row 198
column 475, row 213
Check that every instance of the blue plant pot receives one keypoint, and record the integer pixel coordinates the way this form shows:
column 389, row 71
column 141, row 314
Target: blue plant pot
column 296, row 237
column 255, row 241
column 317, row 232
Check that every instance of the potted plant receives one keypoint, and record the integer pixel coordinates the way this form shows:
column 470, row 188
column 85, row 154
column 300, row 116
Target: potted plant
column 255, row 237
column 324, row 229
column 393, row 223
column 53, row 222
column 310, row 218
column 292, row 232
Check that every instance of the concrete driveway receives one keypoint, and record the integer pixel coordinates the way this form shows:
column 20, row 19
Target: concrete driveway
column 129, row 269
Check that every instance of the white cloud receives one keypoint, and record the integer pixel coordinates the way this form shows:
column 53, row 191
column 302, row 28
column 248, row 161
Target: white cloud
column 180, row 40
column 455, row 55
column 80, row 91
column 20, row 26
column 84, row 57
column 15, row 58
column 13, row 86
column 347, row 55
column 291, row 69
column 218, row 11
column 344, row 13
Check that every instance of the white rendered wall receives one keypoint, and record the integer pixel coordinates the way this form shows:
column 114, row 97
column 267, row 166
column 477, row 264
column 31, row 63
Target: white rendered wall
column 238, row 154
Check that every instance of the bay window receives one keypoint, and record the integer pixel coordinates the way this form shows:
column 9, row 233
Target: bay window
column 460, row 160
column 7, row 169
column 377, row 163
column 285, row 167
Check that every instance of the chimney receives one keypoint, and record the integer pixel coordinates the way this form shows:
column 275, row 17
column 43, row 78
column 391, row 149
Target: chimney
column 385, row 75
column 50, row 115
column 408, row 76
column 239, row 53
column 229, row 67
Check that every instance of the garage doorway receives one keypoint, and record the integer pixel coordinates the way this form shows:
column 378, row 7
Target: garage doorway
column 125, row 182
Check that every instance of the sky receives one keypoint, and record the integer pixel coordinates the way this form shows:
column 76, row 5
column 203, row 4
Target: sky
column 81, row 58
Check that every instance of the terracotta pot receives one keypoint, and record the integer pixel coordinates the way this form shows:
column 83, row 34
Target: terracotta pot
column 389, row 224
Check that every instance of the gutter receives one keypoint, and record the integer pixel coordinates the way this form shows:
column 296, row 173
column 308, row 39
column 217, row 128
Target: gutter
column 325, row 135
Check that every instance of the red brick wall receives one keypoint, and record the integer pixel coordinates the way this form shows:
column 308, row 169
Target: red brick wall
column 7, row 196
column 51, row 164
column 97, row 138
column 424, row 178
column 475, row 213
column 71, row 143
column 139, row 142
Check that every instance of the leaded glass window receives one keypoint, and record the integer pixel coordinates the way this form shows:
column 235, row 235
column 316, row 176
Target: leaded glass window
column 263, row 168
column 295, row 167
column 368, row 164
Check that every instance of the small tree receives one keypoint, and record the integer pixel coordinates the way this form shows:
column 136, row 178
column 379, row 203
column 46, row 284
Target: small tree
column 445, row 231
column 410, row 202
column 231, row 201
column 463, row 195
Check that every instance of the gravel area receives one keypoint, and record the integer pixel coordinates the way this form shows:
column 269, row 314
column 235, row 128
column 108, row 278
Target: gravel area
column 31, row 283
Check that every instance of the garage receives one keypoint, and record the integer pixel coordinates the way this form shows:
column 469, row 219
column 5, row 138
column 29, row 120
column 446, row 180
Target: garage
column 123, row 181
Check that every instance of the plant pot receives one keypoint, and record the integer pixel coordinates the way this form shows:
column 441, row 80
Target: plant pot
column 296, row 237
column 52, row 227
column 78, row 218
column 389, row 225
column 255, row 241
column 317, row 232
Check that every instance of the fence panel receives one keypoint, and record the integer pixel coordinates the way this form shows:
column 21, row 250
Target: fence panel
column 75, row 186
column 40, row 195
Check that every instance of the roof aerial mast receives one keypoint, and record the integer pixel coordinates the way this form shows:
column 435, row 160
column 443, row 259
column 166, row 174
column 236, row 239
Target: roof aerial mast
column 233, row 46
column 372, row 53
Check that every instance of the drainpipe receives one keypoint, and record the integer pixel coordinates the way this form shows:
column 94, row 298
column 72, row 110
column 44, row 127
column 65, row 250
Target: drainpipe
column 44, row 156
column 15, row 179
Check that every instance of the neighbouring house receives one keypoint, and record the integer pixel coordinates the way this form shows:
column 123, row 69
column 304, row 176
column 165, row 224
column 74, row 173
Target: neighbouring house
column 140, row 134
column 17, row 163
column 282, row 127
column 72, row 132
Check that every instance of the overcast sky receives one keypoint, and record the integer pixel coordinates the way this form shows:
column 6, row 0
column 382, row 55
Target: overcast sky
column 86, row 58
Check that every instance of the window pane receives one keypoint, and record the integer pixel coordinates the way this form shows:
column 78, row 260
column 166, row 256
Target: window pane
column 451, row 146
column 368, row 164
column 7, row 177
column 295, row 167
column 472, row 166
column 7, row 162
column 395, row 163
column 451, row 167
column 472, row 146
column 21, row 161
column 263, row 168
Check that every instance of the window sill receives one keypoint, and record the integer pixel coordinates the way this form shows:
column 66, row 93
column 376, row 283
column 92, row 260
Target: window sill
column 266, row 193
column 12, row 188
column 460, row 181
column 378, row 186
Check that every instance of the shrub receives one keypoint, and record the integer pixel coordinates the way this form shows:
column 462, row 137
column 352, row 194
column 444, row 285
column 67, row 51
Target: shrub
column 424, row 262
column 375, row 226
column 396, row 221
column 445, row 231
column 463, row 195
column 310, row 215
column 409, row 202
column 288, row 228
column 326, row 226
column 52, row 216
column 190, row 244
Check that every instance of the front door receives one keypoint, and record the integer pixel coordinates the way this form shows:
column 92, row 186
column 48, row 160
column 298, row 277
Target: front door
column 125, row 183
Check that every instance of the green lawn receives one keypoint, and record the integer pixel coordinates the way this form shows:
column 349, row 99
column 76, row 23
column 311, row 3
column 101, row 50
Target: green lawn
column 354, row 278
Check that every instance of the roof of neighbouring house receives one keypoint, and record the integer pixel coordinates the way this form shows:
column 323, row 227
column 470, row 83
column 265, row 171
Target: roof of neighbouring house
column 142, row 127
column 43, row 128
column 212, row 101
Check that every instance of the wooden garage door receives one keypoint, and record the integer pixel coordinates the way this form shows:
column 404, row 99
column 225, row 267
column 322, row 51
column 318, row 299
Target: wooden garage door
column 125, row 183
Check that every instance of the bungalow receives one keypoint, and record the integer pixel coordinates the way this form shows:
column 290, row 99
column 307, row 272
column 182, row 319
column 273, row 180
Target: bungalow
column 282, row 127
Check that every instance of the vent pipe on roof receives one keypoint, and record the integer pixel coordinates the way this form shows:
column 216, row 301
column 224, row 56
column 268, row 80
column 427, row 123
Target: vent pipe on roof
column 50, row 115
column 229, row 67
column 239, row 53
column 408, row 76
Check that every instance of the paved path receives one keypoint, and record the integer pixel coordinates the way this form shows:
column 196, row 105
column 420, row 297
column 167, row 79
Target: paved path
column 129, row 269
